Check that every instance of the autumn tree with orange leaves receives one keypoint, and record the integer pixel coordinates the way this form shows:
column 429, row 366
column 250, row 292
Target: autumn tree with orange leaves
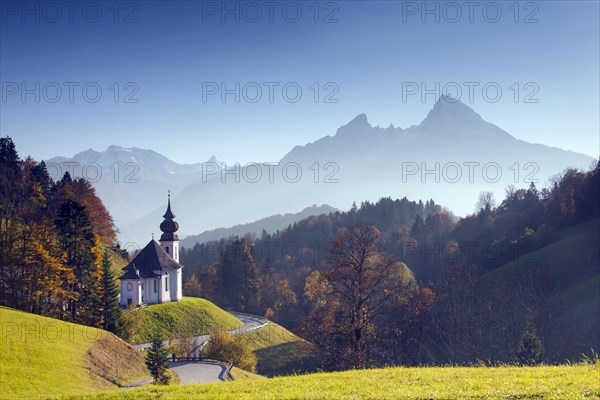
column 50, row 235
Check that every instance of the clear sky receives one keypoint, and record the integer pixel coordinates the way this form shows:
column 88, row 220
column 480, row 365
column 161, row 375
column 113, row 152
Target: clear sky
column 175, row 58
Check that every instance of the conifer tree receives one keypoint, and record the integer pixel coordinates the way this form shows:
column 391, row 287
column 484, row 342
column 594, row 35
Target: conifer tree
column 531, row 349
column 112, row 315
column 78, row 241
column 157, row 361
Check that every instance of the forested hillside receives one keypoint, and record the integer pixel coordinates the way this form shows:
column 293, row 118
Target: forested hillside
column 52, row 236
column 437, row 293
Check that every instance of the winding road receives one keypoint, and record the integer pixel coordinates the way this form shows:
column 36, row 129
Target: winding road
column 202, row 371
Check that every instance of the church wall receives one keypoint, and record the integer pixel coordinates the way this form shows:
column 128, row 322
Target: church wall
column 175, row 287
column 166, row 293
column 130, row 289
column 150, row 296
column 179, row 284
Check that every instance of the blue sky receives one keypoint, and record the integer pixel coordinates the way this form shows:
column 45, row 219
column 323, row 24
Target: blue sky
column 170, row 53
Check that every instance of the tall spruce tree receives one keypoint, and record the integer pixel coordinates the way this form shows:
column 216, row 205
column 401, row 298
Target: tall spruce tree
column 112, row 315
column 10, row 181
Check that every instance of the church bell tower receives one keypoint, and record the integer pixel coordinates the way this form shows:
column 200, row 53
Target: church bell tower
column 169, row 241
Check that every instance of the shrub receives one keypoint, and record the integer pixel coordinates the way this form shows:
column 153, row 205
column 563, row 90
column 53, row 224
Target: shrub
column 234, row 349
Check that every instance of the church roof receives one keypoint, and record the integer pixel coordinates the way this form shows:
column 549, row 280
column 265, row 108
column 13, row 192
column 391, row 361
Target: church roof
column 131, row 272
column 151, row 258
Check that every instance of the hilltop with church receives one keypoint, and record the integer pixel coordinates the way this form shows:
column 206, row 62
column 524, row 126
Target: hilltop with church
column 154, row 275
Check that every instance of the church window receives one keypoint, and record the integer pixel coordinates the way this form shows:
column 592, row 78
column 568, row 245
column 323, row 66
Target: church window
column 167, row 249
column 155, row 286
column 166, row 283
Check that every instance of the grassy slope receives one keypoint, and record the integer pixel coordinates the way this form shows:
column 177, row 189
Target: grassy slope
column 240, row 374
column 573, row 256
column 117, row 263
column 573, row 261
column 194, row 314
column 553, row 382
column 41, row 356
column 280, row 352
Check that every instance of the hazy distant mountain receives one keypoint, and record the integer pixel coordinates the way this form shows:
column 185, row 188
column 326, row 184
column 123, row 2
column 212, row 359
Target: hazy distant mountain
column 270, row 224
column 132, row 182
column 451, row 156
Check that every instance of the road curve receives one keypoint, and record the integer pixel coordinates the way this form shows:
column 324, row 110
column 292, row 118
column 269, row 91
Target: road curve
column 201, row 371
column 251, row 322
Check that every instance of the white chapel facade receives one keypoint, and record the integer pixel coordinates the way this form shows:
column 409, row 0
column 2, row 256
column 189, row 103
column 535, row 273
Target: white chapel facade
column 154, row 275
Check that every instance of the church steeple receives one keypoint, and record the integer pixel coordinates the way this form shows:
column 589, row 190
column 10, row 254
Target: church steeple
column 169, row 227
column 169, row 214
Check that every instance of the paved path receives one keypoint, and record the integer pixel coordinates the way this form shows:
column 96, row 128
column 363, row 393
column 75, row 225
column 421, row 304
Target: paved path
column 251, row 322
column 200, row 371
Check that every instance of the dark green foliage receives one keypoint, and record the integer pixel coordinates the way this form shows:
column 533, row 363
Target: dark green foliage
column 10, row 176
column 10, row 163
column 531, row 348
column 237, row 277
column 74, row 225
column 112, row 315
column 157, row 361
column 417, row 228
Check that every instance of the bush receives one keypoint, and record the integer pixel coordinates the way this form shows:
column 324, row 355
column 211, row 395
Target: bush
column 172, row 377
column 228, row 348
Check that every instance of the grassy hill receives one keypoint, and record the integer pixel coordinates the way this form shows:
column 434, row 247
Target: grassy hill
column 240, row 374
column 573, row 256
column 548, row 382
column 193, row 315
column 42, row 356
column 280, row 352
column 573, row 262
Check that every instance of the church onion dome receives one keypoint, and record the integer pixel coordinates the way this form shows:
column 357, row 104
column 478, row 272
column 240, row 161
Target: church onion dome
column 169, row 227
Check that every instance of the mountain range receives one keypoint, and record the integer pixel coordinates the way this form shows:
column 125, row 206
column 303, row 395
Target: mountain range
column 270, row 224
column 132, row 182
column 451, row 156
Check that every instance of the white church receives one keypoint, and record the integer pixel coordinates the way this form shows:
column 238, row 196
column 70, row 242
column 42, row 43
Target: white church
column 154, row 275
